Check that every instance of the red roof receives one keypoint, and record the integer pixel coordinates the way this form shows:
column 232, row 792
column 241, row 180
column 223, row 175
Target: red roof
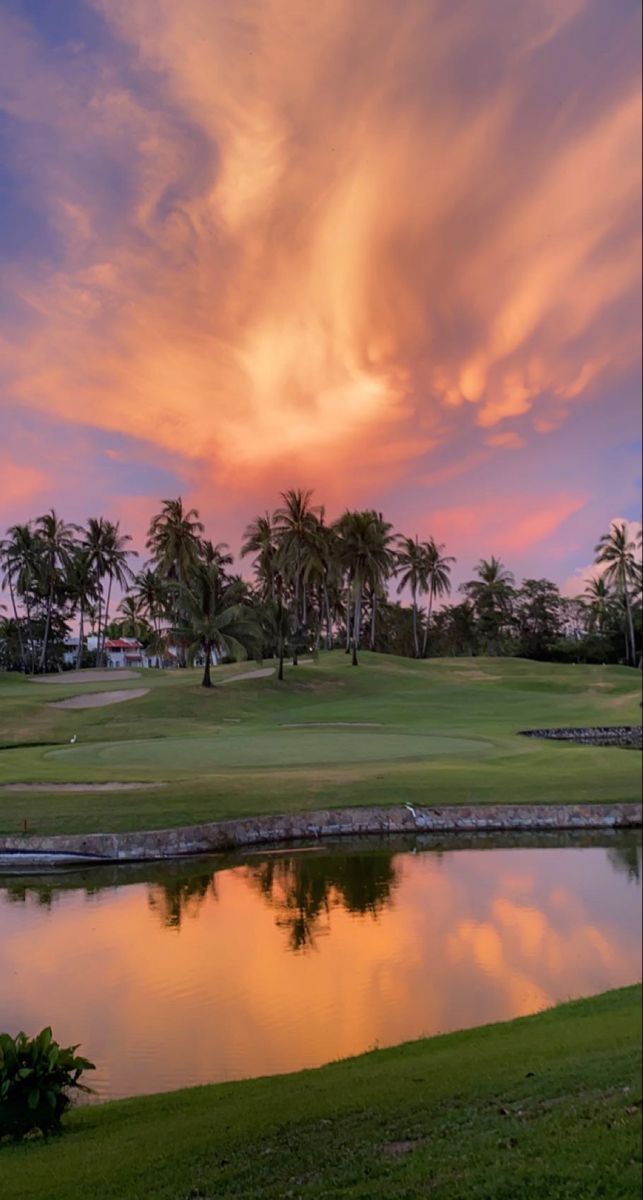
column 120, row 644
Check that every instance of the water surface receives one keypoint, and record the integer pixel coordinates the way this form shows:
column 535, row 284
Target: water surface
column 215, row 970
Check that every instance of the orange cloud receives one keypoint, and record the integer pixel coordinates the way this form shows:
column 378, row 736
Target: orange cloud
column 20, row 484
column 510, row 524
column 328, row 244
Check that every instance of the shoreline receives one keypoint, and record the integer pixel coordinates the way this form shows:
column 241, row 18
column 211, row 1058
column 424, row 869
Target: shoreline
column 283, row 829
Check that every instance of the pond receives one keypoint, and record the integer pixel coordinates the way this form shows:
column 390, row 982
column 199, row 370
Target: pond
column 218, row 969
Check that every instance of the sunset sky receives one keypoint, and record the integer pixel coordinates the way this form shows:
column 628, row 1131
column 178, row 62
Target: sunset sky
column 387, row 250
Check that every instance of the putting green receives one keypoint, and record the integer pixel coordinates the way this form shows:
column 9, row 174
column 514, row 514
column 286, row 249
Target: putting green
column 225, row 749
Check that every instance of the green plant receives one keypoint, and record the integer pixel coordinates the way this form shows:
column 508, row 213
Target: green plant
column 37, row 1076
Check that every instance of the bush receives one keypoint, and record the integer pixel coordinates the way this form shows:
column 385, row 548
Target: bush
column 36, row 1079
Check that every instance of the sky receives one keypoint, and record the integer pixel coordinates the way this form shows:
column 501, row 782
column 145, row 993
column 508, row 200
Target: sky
column 390, row 252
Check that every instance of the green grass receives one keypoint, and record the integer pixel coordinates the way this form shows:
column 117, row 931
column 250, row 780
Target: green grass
column 448, row 734
column 543, row 1107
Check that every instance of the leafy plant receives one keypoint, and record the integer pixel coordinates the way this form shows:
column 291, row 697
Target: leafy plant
column 37, row 1077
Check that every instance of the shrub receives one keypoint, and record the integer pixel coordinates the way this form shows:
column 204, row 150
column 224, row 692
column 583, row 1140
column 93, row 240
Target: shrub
column 36, row 1079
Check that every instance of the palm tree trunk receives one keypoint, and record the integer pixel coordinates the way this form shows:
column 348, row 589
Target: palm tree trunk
column 348, row 621
column 416, row 643
column 429, row 611
column 329, row 632
column 357, row 624
column 81, row 638
column 373, row 619
column 45, row 640
column 280, row 672
column 107, row 604
column 630, row 628
column 206, row 682
column 99, row 617
column 21, row 643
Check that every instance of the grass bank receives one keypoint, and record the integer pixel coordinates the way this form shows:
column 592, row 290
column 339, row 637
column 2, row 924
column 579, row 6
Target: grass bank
column 391, row 731
column 546, row 1106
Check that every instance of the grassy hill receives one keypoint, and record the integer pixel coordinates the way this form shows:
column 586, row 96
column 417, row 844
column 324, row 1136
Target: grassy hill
column 546, row 1106
column 392, row 730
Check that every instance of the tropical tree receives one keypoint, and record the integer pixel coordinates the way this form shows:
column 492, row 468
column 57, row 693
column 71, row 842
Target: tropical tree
column 56, row 539
column 260, row 539
column 212, row 617
column 491, row 595
column 20, row 561
column 174, row 541
column 599, row 603
column 295, row 526
column 412, row 572
column 617, row 553
column 83, row 591
column 108, row 554
column 437, row 572
column 365, row 554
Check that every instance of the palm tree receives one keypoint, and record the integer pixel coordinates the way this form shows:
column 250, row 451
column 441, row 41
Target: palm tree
column 260, row 538
column 412, row 569
column 617, row 552
column 174, row 540
column 438, row 577
column 295, row 524
column 82, row 588
column 20, row 561
column 366, row 558
column 599, row 601
column 108, row 554
column 212, row 618
column 150, row 595
column 132, row 621
column 57, row 541
column 491, row 594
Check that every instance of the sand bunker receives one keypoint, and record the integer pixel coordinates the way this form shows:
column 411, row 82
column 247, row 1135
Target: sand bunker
column 78, row 787
column 99, row 699
column 88, row 676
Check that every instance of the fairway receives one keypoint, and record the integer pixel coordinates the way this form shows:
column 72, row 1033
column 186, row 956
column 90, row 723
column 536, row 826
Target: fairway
column 393, row 730
column 295, row 747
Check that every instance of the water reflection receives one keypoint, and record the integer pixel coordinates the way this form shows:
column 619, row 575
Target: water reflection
column 180, row 974
column 302, row 890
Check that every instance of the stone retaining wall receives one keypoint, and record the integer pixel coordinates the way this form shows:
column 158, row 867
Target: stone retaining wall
column 293, row 827
column 630, row 736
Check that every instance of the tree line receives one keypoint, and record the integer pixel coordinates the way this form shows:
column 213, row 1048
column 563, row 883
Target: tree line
column 316, row 585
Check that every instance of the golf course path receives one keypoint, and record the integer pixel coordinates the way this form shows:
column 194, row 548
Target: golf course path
column 99, row 699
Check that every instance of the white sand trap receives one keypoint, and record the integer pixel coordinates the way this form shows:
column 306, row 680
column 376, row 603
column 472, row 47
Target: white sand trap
column 99, row 699
column 333, row 725
column 78, row 787
column 262, row 673
column 88, row 676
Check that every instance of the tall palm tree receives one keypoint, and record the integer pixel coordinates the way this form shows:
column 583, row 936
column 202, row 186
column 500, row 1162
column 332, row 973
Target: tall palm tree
column 438, row 578
column 599, row 601
column 150, row 595
column 617, row 552
column 20, row 560
column 174, row 540
column 295, row 524
column 57, row 541
column 366, row 557
column 491, row 594
column 82, row 589
column 260, row 539
column 212, row 618
column 412, row 570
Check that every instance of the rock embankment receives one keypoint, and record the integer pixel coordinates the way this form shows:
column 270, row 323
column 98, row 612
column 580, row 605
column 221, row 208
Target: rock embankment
column 630, row 736
column 215, row 837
